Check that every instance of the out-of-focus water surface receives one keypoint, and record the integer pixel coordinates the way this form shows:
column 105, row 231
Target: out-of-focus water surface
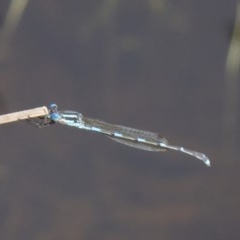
column 156, row 65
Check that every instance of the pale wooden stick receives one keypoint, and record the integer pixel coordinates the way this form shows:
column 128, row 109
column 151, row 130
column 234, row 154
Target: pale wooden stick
column 26, row 114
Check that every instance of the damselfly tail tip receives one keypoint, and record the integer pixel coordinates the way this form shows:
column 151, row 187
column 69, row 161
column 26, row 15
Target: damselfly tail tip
column 208, row 163
column 204, row 158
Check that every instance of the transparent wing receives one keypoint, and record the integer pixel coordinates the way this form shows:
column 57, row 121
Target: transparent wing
column 129, row 136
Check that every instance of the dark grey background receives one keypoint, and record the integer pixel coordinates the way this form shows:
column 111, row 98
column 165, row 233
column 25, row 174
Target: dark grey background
column 154, row 65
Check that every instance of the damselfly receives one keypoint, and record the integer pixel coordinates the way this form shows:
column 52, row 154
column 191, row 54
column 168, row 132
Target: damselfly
column 129, row 136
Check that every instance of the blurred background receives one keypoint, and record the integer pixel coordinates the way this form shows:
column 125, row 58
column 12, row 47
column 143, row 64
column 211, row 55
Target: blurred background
column 160, row 65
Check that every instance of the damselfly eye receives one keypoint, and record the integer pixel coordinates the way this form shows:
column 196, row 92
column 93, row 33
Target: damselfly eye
column 55, row 116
